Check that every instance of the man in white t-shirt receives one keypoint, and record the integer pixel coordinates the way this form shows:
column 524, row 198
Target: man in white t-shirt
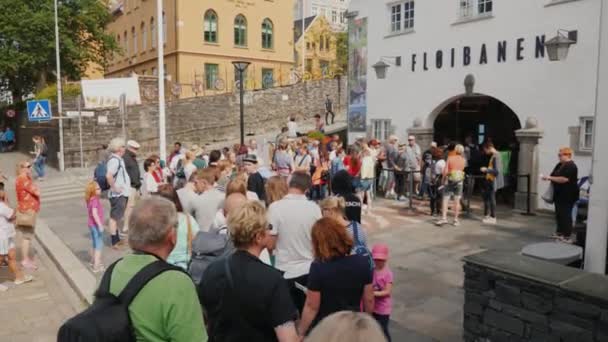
column 120, row 187
column 292, row 219
column 292, row 128
column 210, row 200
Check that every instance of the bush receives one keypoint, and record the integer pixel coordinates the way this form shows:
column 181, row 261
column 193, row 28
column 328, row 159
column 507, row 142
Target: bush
column 50, row 92
column 316, row 135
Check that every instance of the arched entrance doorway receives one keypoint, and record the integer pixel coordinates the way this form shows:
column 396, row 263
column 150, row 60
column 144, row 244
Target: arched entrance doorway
column 473, row 120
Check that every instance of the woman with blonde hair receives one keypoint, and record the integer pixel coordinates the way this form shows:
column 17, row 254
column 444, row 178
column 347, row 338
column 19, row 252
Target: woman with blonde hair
column 245, row 299
column 347, row 326
column 453, row 184
column 564, row 178
column 276, row 189
column 335, row 207
column 40, row 154
column 189, row 166
column 338, row 280
column 28, row 206
column 239, row 185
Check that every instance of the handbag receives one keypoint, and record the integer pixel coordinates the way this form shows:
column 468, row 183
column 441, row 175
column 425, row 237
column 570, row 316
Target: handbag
column 26, row 219
column 548, row 195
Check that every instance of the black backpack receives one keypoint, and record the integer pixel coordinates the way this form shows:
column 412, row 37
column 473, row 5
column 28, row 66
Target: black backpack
column 107, row 320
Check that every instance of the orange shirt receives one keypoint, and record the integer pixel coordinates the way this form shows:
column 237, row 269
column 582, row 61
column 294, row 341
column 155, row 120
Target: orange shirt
column 26, row 200
column 455, row 163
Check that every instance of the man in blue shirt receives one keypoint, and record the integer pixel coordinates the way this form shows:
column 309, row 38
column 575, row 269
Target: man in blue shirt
column 8, row 139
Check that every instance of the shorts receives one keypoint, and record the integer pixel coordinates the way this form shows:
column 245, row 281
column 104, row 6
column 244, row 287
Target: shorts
column 356, row 183
column 26, row 233
column 6, row 245
column 96, row 238
column 118, row 205
column 365, row 184
column 453, row 189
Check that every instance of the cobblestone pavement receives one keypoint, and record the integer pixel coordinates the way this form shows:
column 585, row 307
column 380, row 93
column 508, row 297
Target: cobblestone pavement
column 427, row 295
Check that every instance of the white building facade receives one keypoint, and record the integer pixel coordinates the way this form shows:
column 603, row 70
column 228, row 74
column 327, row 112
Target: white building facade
column 333, row 10
column 516, row 96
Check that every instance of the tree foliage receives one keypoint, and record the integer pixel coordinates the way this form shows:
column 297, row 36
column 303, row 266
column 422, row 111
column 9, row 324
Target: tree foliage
column 342, row 51
column 27, row 41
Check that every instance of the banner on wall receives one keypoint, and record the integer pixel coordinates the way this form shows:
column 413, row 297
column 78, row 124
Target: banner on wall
column 357, row 75
column 106, row 92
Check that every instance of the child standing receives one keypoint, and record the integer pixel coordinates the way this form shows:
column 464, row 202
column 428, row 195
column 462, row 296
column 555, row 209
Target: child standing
column 8, row 252
column 95, row 223
column 383, row 285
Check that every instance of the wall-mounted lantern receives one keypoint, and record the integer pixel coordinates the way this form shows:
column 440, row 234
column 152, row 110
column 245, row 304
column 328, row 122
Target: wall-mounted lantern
column 558, row 46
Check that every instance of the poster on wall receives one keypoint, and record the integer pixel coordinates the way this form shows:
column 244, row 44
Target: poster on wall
column 357, row 75
column 105, row 93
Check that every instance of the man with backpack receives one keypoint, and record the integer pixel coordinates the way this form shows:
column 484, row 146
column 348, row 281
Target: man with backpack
column 142, row 297
column 119, row 184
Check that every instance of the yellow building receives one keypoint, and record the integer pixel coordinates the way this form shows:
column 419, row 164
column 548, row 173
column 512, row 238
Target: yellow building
column 320, row 41
column 201, row 40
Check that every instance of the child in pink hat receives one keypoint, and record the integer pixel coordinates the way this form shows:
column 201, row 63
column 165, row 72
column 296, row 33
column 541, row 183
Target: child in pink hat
column 383, row 285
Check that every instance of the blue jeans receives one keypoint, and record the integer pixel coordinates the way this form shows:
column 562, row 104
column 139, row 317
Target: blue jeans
column 96, row 238
column 39, row 166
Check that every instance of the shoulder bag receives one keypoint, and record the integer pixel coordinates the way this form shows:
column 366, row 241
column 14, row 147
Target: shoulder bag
column 26, row 219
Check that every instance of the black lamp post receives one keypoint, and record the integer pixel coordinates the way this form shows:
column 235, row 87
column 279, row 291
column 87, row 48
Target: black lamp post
column 240, row 67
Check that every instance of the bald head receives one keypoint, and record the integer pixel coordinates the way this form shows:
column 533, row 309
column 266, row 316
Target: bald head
column 234, row 201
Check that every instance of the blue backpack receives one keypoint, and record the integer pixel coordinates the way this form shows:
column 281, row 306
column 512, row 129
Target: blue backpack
column 359, row 247
column 100, row 174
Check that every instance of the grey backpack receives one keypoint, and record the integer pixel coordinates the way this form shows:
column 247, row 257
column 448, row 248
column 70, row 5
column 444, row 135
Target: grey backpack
column 206, row 248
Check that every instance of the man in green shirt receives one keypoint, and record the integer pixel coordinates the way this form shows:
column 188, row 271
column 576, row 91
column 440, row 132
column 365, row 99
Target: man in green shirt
column 167, row 308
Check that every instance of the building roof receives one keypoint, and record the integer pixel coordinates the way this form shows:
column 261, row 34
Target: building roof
column 297, row 25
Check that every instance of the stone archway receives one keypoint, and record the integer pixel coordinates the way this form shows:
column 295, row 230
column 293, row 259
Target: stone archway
column 526, row 138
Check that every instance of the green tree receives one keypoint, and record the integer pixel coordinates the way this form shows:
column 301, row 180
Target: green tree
column 342, row 52
column 27, row 41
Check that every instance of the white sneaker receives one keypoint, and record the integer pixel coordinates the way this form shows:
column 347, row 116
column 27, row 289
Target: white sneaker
column 441, row 222
column 491, row 220
column 26, row 279
column 456, row 223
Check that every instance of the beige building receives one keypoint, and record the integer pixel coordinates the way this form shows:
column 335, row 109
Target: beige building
column 201, row 39
column 320, row 44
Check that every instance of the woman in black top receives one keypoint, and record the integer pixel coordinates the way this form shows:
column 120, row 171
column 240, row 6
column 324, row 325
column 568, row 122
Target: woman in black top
column 338, row 280
column 565, row 192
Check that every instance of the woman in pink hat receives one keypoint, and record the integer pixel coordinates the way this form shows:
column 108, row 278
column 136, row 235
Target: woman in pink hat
column 383, row 285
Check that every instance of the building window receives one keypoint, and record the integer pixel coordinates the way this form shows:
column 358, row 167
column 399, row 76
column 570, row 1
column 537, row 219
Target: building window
column 267, row 78
column 126, row 42
column 152, row 33
column 408, row 15
column 210, row 26
column 134, row 36
column 267, row 31
column 211, row 73
column 154, row 71
column 586, row 134
column 342, row 18
column 396, row 18
column 381, row 129
column 334, row 16
column 144, row 37
column 240, row 31
column 118, row 43
column 481, row 134
column 321, row 43
column 474, row 8
column 327, row 43
column 315, row 10
column 164, row 29
column 308, row 65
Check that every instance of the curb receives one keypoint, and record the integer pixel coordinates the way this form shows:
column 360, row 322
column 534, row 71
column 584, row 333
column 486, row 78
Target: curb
column 77, row 275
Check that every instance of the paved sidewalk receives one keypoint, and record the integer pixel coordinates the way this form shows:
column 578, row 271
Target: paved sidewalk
column 34, row 312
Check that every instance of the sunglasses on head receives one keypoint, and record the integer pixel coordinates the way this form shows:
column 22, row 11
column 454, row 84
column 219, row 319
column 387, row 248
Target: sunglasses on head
column 27, row 166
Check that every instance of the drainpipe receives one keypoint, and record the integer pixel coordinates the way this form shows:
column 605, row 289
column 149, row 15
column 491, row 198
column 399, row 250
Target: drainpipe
column 597, row 223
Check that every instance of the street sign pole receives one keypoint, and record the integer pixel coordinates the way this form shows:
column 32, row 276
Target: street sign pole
column 123, row 112
column 162, row 134
column 59, row 110
column 80, row 130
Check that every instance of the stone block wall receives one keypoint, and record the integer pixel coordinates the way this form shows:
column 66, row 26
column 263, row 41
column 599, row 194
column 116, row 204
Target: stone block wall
column 509, row 297
column 209, row 120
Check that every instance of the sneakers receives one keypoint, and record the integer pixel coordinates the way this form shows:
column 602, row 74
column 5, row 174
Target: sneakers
column 456, row 223
column 489, row 220
column 441, row 222
column 26, row 279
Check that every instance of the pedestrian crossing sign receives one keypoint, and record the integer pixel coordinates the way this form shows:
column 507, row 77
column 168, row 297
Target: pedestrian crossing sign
column 39, row 110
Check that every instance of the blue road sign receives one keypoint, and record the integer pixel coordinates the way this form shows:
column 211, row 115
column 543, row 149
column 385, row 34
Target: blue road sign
column 39, row 110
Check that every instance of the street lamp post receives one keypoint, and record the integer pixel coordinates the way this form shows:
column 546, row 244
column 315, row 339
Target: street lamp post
column 162, row 134
column 240, row 67
column 59, row 104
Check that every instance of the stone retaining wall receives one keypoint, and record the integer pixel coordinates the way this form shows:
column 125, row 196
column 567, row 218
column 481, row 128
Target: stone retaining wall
column 209, row 120
column 509, row 297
